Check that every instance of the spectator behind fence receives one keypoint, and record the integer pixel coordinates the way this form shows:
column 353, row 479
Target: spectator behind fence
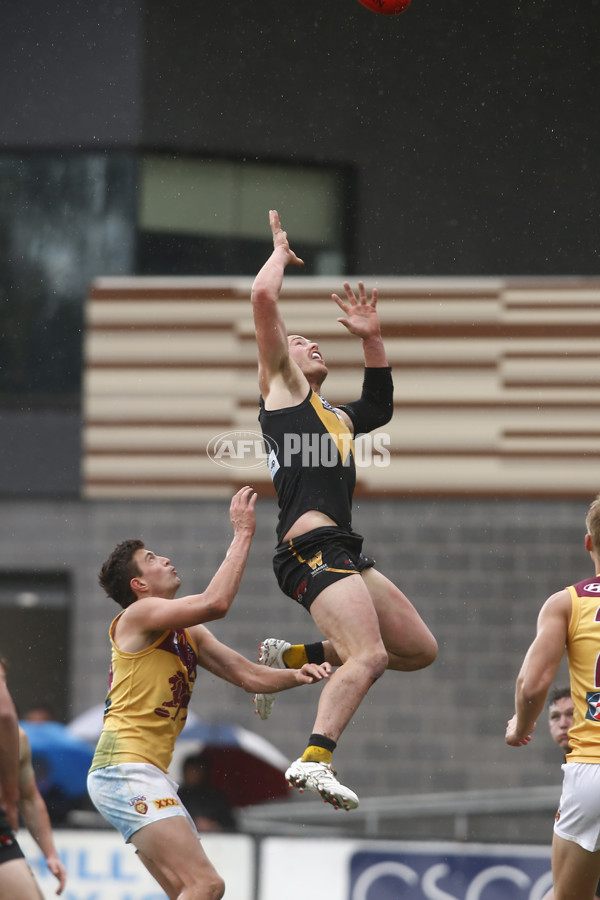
column 208, row 806
column 39, row 713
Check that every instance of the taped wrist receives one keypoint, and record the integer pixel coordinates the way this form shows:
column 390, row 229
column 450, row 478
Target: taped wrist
column 376, row 404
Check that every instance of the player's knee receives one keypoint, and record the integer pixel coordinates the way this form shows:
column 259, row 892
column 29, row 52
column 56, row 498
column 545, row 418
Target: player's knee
column 372, row 660
column 377, row 663
column 207, row 886
column 430, row 652
column 427, row 654
column 216, row 888
column 417, row 657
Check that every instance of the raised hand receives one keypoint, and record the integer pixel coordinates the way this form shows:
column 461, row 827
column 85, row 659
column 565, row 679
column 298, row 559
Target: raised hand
column 362, row 318
column 241, row 511
column 280, row 239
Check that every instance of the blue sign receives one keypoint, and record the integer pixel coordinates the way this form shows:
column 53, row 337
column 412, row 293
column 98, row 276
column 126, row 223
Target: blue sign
column 453, row 875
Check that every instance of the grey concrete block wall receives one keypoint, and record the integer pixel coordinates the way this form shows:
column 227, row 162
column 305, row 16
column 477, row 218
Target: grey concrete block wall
column 477, row 570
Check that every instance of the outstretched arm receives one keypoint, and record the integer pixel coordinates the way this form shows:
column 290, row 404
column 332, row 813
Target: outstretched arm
column 539, row 668
column 235, row 668
column 35, row 815
column 271, row 334
column 375, row 406
column 152, row 614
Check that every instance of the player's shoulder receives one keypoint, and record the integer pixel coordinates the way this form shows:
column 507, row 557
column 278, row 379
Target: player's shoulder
column 201, row 637
column 557, row 603
column 286, row 393
column 588, row 587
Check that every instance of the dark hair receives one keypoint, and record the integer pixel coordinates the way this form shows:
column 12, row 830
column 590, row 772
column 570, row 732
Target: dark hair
column 196, row 759
column 118, row 570
column 558, row 694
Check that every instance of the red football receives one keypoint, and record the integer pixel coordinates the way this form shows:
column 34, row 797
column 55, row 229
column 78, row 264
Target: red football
column 386, row 7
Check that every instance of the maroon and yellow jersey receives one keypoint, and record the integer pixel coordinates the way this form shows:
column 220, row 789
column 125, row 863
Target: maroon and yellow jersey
column 147, row 701
column 583, row 653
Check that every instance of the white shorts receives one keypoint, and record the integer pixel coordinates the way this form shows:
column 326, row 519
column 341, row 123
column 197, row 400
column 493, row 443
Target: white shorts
column 132, row 795
column 578, row 816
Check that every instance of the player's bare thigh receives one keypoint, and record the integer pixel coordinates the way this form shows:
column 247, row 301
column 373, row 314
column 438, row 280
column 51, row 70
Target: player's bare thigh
column 345, row 614
column 576, row 871
column 17, row 881
column 171, row 851
column 408, row 641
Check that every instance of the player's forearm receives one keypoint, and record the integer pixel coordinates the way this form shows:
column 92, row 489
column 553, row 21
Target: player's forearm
column 37, row 821
column 257, row 679
column 261, row 679
column 225, row 583
column 529, row 704
column 538, row 671
column 374, row 352
column 267, row 284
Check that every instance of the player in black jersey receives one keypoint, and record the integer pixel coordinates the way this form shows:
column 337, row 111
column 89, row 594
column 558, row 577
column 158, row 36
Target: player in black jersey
column 369, row 624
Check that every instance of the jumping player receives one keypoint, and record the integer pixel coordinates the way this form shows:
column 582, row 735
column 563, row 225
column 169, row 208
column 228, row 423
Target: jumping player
column 369, row 623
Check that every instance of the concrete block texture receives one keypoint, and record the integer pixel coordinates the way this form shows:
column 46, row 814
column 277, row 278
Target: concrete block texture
column 477, row 571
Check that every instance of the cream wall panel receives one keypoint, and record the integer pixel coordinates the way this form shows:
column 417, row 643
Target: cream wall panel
column 489, row 392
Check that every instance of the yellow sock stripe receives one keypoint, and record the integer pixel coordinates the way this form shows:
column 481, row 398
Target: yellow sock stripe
column 295, row 657
column 316, row 754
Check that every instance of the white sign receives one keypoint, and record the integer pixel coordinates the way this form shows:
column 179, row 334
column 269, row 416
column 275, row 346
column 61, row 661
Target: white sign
column 377, row 870
column 101, row 866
